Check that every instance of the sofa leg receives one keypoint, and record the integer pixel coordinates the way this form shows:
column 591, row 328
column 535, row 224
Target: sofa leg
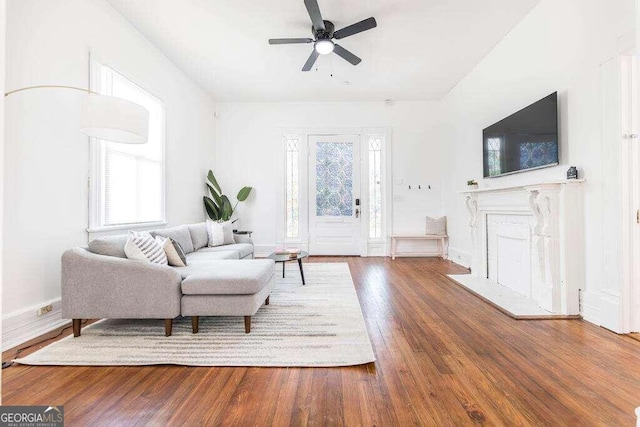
column 168, row 325
column 77, row 324
column 247, row 324
column 194, row 324
column 266, row 302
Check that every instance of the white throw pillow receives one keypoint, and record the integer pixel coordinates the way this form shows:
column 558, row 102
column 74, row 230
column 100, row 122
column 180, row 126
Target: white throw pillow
column 436, row 226
column 169, row 248
column 143, row 247
column 215, row 232
column 227, row 228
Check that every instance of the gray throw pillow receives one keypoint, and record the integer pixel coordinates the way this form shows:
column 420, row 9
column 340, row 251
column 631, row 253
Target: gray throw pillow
column 180, row 251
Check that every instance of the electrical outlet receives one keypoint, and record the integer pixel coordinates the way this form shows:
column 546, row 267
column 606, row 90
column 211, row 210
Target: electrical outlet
column 44, row 310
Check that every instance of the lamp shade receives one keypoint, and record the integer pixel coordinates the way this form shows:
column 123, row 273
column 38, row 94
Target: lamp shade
column 114, row 119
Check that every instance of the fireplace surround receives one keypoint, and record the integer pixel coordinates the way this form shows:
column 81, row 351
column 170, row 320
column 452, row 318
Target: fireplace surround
column 530, row 239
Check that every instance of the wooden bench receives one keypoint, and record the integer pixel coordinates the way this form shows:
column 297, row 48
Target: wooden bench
column 443, row 245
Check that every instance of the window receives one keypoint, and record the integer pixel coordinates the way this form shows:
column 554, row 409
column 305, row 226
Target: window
column 128, row 179
column 292, row 183
column 494, row 152
column 375, row 187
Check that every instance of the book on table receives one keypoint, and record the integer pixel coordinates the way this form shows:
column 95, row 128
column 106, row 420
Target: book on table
column 292, row 252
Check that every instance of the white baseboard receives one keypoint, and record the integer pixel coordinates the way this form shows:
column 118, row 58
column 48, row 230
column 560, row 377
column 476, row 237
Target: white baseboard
column 591, row 307
column 610, row 312
column 24, row 325
column 460, row 257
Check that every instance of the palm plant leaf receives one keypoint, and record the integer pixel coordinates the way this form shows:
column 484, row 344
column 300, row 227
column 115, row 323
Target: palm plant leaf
column 243, row 193
column 213, row 181
column 212, row 210
column 227, row 209
column 215, row 196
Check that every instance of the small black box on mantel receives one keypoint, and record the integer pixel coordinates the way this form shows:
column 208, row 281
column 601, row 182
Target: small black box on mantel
column 572, row 173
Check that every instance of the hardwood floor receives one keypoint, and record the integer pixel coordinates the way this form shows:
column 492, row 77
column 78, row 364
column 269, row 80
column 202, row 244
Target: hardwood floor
column 444, row 357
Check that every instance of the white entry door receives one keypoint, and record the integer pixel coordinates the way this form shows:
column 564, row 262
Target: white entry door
column 334, row 194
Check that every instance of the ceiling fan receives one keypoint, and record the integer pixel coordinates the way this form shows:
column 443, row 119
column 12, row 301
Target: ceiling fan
column 323, row 35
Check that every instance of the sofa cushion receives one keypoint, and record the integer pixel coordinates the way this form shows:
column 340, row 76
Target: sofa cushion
column 201, row 256
column 244, row 249
column 180, row 234
column 195, row 266
column 199, row 235
column 230, row 278
column 109, row 246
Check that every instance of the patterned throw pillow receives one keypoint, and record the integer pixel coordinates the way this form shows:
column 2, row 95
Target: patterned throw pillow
column 436, row 226
column 142, row 246
column 215, row 232
column 173, row 250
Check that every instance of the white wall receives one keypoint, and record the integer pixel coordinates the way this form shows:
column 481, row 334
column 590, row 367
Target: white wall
column 250, row 149
column 3, row 32
column 46, row 164
column 559, row 46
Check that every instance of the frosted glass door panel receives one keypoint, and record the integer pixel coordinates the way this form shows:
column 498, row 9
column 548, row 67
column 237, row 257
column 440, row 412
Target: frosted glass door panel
column 334, row 179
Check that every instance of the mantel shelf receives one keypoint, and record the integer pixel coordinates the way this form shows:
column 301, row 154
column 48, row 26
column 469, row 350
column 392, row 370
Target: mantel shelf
column 523, row 186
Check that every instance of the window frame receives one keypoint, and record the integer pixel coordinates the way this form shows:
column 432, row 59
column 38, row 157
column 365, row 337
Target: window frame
column 96, row 160
column 382, row 153
column 300, row 142
column 303, row 215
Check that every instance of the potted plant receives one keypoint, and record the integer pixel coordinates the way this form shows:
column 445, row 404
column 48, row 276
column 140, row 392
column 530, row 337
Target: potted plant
column 218, row 206
column 472, row 183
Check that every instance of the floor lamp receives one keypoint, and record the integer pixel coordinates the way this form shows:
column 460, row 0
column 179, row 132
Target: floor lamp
column 107, row 117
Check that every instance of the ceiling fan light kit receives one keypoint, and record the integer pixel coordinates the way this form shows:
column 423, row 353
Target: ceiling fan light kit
column 324, row 47
column 323, row 35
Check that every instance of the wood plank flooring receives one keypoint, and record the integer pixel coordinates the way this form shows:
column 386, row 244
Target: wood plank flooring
column 444, row 357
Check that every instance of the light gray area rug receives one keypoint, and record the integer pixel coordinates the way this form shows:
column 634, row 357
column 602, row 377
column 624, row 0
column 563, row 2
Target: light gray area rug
column 320, row 324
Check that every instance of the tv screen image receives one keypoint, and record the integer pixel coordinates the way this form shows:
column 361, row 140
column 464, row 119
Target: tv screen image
column 525, row 140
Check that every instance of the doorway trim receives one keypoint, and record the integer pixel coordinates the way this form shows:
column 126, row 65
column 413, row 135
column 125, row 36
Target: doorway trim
column 369, row 246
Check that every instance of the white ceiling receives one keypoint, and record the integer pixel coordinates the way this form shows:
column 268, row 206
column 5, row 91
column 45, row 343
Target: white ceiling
column 420, row 50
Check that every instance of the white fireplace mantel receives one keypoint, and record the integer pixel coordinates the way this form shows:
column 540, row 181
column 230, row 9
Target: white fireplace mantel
column 552, row 212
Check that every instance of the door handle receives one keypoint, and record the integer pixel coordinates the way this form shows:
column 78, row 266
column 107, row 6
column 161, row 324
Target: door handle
column 357, row 213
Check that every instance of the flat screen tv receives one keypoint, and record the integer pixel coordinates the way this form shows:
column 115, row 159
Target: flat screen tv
column 523, row 141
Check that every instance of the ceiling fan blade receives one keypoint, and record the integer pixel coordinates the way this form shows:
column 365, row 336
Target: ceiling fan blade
column 345, row 54
column 290, row 41
column 356, row 28
column 312, row 60
column 314, row 14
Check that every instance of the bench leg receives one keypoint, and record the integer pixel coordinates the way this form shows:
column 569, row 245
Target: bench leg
column 247, row 324
column 266, row 302
column 393, row 248
column 77, row 325
column 195, row 324
column 168, row 325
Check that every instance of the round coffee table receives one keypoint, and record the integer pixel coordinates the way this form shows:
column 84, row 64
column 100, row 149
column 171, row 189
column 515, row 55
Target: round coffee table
column 285, row 258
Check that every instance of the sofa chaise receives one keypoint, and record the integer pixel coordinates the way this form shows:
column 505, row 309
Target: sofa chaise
column 99, row 281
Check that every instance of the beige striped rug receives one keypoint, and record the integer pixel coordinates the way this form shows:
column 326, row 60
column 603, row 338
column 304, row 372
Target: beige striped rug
column 320, row 324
